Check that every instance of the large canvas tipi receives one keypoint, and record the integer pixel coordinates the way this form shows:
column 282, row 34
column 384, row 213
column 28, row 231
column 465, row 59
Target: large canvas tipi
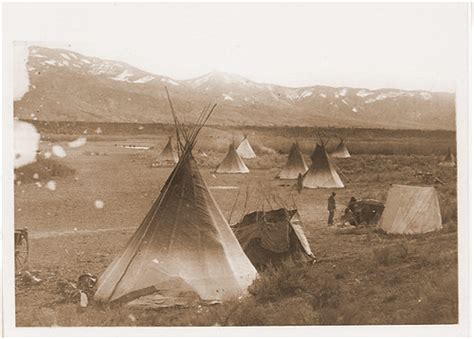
column 295, row 165
column 448, row 160
column 245, row 150
column 168, row 153
column 322, row 173
column 341, row 151
column 183, row 246
column 410, row 210
column 232, row 163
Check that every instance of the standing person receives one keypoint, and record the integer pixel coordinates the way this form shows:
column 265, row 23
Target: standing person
column 299, row 183
column 331, row 208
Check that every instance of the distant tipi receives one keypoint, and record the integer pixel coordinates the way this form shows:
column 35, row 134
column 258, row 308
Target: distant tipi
column 232, row 163
column 168, row 153
column 341, row 151
column 245, row 150
column 322, row 173
column 448, row 160
column 295, row 165
column 183, row 247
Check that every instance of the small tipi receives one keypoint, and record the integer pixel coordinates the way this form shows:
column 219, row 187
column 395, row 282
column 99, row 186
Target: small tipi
column 410, row 210
column 341, row 151
column 168, row 153
column 322, row 173
column 448, row 160
column 295, row 165
column 245, row 150
column 232, row 163
column 183, row 246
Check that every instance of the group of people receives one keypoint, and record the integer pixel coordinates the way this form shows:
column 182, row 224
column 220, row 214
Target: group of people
column 353, row 208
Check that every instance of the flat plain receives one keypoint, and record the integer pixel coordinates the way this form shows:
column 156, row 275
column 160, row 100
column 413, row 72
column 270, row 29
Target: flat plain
column 362, row 276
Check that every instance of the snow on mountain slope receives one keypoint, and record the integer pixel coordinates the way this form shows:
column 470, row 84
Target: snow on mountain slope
column 65, row 85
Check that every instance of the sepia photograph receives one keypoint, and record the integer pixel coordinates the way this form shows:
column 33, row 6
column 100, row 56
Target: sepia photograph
column 250, row 166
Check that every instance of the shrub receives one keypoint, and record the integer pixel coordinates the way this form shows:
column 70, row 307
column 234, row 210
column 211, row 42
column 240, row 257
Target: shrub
column 447, row 196
column 321, row 290
column 391, row 254
column 275, row 283
column 437, row 302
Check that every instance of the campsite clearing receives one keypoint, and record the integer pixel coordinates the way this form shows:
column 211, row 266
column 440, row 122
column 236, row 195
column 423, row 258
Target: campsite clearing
column 362, row 276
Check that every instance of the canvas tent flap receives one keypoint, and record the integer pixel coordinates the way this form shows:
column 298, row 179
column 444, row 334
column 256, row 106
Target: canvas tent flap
column 245, row 150
column 297, row 226
column 411, row 210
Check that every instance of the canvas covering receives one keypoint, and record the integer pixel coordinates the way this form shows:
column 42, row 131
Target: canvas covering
column 232, row 163
column 341, row 151
column 168, row 153
column 183, row 246
column 322, row 173
column 245, row 150
column 270, row 235
column 295, row 165
column 411, row 210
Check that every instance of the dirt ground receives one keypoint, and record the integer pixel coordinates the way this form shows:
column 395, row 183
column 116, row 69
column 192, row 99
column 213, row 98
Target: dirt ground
column 69, row 235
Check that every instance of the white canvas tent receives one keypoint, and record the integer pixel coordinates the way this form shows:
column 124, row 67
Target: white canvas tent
column 341, row 151
column 411, row 210
column 232, row 163
column 184, row 244
column 295, row 165
column 245, row 150
column 322, row 173
column 168, row 153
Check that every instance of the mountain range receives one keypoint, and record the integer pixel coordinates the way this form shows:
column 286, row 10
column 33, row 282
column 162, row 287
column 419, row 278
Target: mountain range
column 65, row 85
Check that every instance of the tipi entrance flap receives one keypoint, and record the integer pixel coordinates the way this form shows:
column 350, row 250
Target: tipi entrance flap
column 411, row 210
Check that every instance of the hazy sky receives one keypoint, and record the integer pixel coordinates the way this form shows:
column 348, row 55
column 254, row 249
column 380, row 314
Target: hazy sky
column 408, row 46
